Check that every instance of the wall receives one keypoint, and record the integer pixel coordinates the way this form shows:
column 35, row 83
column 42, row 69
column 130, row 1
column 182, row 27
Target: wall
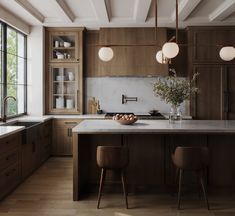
column 108, row 90
column 35, row 71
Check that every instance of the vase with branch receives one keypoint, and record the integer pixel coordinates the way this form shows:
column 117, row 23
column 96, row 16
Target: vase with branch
column 174, row 91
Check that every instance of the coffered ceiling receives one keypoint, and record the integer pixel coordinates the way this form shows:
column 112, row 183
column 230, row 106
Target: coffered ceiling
column 94, row 14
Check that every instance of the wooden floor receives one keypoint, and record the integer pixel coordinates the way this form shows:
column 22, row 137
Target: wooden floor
column 48, row 192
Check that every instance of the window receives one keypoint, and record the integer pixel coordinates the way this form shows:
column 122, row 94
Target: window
column 13, row 69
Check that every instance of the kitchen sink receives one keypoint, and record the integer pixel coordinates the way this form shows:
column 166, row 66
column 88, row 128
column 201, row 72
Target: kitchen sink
column 22, row 123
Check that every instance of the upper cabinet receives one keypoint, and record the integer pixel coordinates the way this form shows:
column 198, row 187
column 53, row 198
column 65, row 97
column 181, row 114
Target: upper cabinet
column 134, row 52
column 64, row 70
column 64, row 46
column 205, row 43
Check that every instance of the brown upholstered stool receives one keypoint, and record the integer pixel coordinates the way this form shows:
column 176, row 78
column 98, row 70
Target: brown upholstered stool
column 192, row 159
column 112, row 158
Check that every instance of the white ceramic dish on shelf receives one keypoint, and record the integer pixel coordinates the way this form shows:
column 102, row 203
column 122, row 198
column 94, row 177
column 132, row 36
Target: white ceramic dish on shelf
column 67, row 44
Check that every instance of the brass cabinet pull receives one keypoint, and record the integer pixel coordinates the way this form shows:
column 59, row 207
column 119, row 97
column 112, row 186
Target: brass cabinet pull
column 69, row 123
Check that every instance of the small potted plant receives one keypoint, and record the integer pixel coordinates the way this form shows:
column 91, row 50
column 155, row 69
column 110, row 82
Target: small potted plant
column 174, row 91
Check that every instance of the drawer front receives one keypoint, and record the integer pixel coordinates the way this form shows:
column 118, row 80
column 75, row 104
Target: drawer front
column 9, row 178
column 9, row 158
column 10, row 142
column 66, row 122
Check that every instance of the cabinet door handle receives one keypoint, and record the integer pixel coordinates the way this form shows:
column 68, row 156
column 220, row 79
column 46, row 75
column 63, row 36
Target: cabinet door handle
column 226, row 102
column 69, row 123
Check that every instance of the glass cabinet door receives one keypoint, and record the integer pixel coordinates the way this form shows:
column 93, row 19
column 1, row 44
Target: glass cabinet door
column 63, row 47
column 64, row 82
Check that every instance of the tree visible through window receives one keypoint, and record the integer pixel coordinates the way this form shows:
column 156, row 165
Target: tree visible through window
column 13, row 65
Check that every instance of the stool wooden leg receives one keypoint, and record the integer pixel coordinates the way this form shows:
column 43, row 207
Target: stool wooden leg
column 180, row 187
column 102, row 178
column 124, row 187
column 204, row 191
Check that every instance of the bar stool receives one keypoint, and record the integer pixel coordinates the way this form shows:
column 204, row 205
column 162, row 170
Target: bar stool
column 191, row 159
column 112, row 158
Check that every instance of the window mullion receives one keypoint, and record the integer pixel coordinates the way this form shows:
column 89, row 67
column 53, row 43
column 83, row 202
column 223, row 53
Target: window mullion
column 4, row 62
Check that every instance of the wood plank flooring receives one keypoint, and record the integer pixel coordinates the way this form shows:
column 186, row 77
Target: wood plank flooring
column 48, row 192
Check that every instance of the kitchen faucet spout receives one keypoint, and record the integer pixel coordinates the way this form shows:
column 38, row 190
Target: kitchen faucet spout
column 4, row 108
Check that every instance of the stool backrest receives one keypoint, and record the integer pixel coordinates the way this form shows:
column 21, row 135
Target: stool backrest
column 112, row 157
column 191, row 158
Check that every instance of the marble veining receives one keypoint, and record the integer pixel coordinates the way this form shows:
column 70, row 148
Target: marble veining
column 156, row 126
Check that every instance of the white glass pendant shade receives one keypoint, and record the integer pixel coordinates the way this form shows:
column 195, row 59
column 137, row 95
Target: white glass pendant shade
column 105, row 53
column 227, row 53
column 170, row 49
column 159, row 57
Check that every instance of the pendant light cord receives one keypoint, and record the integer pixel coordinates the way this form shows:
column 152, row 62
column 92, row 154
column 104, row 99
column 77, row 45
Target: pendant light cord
column 156, row 21
column 177, row 21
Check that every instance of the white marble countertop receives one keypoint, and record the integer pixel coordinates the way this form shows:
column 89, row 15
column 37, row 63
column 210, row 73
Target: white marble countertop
column 8, row 130
column 155, row 126
column 84, row 116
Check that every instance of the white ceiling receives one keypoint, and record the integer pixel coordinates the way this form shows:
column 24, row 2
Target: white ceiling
column 94, row 14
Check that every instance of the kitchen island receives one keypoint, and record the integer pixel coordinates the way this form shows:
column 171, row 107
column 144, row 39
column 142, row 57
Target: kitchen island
column 151, row 143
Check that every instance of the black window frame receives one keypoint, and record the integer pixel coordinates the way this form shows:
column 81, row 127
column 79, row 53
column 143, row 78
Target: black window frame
column 3, row 29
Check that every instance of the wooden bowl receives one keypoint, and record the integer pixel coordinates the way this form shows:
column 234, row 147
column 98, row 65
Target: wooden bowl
column 126, row 122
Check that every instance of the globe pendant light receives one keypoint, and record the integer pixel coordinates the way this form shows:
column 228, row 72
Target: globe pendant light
column 227, row 53
column 105, row 54
column 170, row 49
column 161, row 58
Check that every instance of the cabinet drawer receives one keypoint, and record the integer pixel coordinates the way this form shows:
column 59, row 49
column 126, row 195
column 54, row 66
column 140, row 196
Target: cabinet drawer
column 10, row 142
column 9, row 158
column 66, row 123
column 9, row 178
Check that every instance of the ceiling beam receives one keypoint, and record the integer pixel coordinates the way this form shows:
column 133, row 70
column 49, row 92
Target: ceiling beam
column 14, row 20
column 66, row 10
column 101, row 10
column 223, row 11
column 186, row 7
column 31, row 9
column 141, row 10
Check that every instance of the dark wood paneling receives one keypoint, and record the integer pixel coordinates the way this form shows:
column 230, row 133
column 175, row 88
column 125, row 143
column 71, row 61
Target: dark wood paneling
column 208, row 103
column 128, row 60
column 206, row 42
column 146, row 168
column 222, row 161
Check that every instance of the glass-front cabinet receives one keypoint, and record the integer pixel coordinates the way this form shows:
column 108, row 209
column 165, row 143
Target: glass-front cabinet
column 64, row 71
column 65, row 89
column 64, row 46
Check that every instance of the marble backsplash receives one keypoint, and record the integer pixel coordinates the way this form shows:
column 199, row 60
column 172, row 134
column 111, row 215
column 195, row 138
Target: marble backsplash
column 109, row 90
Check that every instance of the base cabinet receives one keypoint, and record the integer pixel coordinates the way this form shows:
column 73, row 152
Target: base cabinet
column 10, row 163
column 62, row 136
column 36, row 145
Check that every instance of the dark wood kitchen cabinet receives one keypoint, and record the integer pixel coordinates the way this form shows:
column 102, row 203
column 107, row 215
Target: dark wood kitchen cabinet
column 62, row 136
column 208, row 103
column 133, row 59
column 205, row 43
column 216, row 97
column 10, row 163
column 46, row 141
column 36, row 147
column 30, row 150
